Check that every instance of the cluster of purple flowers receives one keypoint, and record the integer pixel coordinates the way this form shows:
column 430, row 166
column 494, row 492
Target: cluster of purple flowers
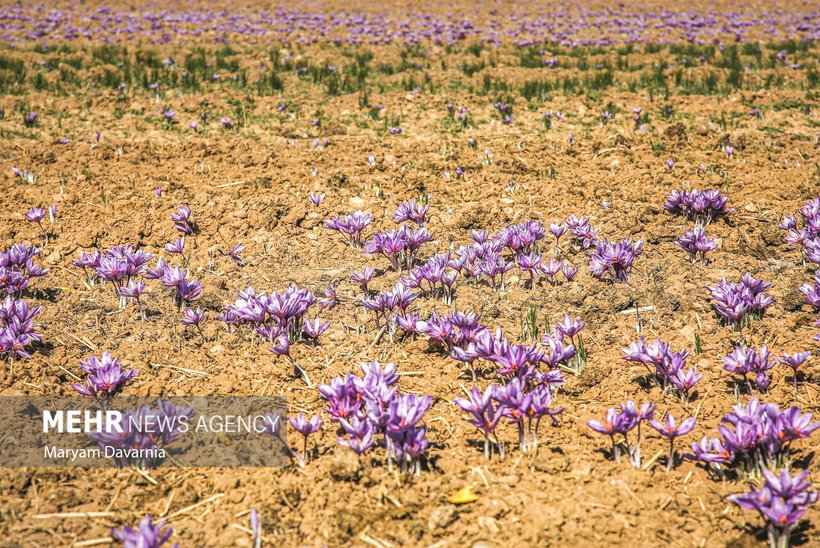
column 175, row 279
column 696, row 242
column 399, row 245
column 118, row 265
column 745, row 361
column 483, row 257
column 146, row 430
column 584, row 233
column 734, row 301
column 17, row 267
column 807, row 237
column 439, row 280
column 781, row 500
column 147, row 535
column 466, row 340
column 411, row 210
column 278, row 318
column 274, row 316
column 754, row 437
column 105, row 376
column 667, row 366
column 613, row 260
column 16, row 327
column 701, row 206
column 621, row 421
column 521, row 238
column 351, row 226
column 368, row 406
column 390, row 307
column 521, row 402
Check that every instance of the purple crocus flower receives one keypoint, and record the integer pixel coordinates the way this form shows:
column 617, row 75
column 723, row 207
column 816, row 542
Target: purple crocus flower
column 313, row 329
column 105, row 376
column 148, row 535
column 36, row 214
column 670, row 429
column 306, row 428
column 316, row 198
column 781, row 500
column 794, row 361
column 181, row 219
column 177, row 246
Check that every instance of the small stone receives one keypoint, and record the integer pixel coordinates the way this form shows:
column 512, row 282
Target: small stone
column 489, row 524
column 345, row 466
column 356, row 201
column 441, row 517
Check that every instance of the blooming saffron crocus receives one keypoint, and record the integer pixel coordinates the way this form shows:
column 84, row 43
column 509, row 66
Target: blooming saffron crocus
column 306, row 428
column 316, row 198
column 351, row 226
column 177, row 246
column 194, row 317
column 621, row 423
column 360, row 432
column 148, row 535
column 531, row 263
column 105, row 376
column 181, row 219
column 613, row 260
column 132, row 290
column 670, row 163
column 698, row 205
column 313, row 329
column 605, row 117
column 781, row 500
column 330, row 299
column 194, row 125
column 36, row 215
column 363, row 277
column 30, row 119
column 736, row 302
column 227, row 123
column 794, row 361
column 670, row 429
column 696, row 243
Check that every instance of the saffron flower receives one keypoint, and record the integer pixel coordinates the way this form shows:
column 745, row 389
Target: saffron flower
column 613, row 260
column 306, row 428
column 181, row 219
column 670, row 429
column 316, row 198
column 701, row 206
column 351, row 226
column 781, row 500
column 794, row 361
column 696, row 243
column 177, row 246
column 148, row 535
column 194, row 317
column 105, row 376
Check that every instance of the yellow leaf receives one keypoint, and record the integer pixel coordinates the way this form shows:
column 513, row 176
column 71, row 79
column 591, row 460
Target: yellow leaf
column 463, row 496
